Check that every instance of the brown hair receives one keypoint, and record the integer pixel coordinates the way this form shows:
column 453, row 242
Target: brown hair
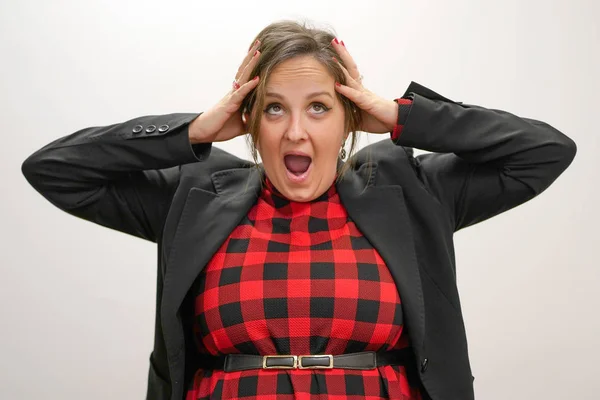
column 282, row 41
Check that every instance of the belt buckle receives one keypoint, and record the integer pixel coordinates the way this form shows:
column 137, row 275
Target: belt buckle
column 294, row 366
column 328, row 356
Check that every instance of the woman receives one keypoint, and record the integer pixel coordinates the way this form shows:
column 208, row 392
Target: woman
column 305, row 254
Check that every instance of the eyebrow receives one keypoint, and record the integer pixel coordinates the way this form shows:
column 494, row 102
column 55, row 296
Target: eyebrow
column 309, row 96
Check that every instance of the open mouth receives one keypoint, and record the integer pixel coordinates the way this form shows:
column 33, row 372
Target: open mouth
column 297, row 166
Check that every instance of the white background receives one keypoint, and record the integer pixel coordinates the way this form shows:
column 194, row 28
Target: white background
column 77, row 299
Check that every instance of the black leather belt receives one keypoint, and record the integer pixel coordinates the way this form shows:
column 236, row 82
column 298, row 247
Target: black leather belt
column 362, row 360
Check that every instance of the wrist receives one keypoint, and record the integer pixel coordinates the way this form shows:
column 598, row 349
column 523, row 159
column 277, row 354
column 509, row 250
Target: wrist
column 195, row 131
column 392, row 115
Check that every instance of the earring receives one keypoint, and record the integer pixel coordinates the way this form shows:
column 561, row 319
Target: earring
column 244, row 115
column 343, row 153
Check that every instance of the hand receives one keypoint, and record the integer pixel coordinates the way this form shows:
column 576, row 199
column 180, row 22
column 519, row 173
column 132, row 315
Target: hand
column 224, row 120
column 378, row 115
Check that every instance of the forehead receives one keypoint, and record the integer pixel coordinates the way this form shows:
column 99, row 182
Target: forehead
column 299, row 72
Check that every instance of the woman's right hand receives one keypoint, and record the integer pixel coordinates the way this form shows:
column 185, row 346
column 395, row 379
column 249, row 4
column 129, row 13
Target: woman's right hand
column 224, row 120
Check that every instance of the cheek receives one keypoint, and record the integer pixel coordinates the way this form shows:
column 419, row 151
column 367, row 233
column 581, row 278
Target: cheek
column 328, row 148
column 331, row 136
column 268, row 143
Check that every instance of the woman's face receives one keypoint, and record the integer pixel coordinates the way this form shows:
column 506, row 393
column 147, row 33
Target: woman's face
column 302, row 129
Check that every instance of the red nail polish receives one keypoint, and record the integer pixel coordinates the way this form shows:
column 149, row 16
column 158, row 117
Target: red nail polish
column 343, row 43
column 336, row 41
column 255, row 78
column 337, row 84
column 334, row 59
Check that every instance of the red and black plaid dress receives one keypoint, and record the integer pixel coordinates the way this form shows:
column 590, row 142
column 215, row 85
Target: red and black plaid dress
column 298, row 278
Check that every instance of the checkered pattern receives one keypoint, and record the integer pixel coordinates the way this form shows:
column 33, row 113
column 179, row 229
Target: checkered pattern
column 404, row 106
column 298, row 278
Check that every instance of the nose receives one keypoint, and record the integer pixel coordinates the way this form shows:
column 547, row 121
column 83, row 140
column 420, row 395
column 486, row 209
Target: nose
column 296, row 131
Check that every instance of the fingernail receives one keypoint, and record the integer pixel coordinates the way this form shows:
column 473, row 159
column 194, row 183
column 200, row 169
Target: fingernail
column 255, row 78
column 334, row 59
column 255, row 53
column 343, row 43
column 338, row 84
column 336, row 41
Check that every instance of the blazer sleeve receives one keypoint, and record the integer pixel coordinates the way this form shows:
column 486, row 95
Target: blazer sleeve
column 121, row 176
column 482, row 161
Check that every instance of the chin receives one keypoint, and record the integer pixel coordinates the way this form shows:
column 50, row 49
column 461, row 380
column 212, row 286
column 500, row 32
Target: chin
column 299, row 194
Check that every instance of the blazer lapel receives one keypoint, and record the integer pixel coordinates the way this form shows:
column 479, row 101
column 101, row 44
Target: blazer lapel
column 380, row 214
column 206, row 221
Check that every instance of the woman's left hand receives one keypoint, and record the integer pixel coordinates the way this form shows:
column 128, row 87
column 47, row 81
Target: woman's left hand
column 378, row 115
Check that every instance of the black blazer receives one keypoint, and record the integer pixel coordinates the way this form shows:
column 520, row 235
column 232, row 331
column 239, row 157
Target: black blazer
column 143, row 177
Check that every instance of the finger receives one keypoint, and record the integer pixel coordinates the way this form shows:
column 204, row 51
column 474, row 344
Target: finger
column 357, row 96
column 364, row 100
column 350, row 81
column 249, row 55
column 248, row 69
column 238, row 95
column 346, row 58
column 247, row 59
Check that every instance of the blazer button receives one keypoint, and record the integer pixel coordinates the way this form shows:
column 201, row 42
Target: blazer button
column 137, row 129
column 163, row 128
column 424, row 365
column 150, row 129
